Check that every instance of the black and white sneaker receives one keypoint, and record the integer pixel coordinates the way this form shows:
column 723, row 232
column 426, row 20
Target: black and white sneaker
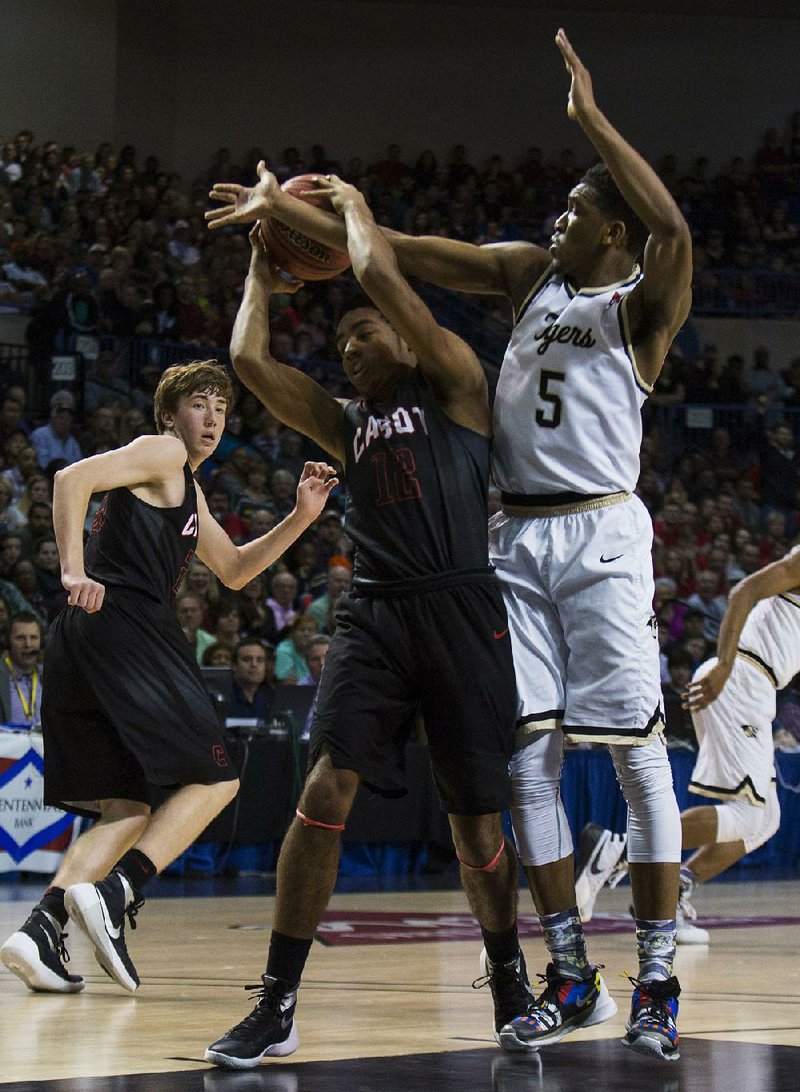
column 600, row 854
column 99, row 910
column 512, row 993
column 36, row 953
column 268, row 1032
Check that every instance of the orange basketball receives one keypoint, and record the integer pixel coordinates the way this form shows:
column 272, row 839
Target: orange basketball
column 293, row 251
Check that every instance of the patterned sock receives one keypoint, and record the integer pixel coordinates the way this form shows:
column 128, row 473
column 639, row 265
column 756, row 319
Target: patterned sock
column 563, row 935
column 655, row 945
column 138, row 869
column 52, row 902
column 688, row 880
column 287, row 957
column 501, row 947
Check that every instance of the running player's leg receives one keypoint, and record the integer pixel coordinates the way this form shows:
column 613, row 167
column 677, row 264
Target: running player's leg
column 363, row 717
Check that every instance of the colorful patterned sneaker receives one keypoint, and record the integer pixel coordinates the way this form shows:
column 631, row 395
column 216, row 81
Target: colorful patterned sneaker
column 99, row 910
column 565, row 1005
column 511, row 990
column 268, row 1032
column 36, row 954
column 652, row 1025
column 601, row 854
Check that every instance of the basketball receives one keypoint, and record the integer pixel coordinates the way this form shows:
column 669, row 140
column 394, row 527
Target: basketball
column 293, row 251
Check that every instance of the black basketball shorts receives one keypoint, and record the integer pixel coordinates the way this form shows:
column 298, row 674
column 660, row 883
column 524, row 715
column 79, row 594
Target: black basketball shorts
column 443, row 650
column 124, row 706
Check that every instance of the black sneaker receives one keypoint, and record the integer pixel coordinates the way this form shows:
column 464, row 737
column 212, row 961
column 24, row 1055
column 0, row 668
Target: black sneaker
column 36, row 954
column 268, row 1032
column 511, row 991
column 99, row 910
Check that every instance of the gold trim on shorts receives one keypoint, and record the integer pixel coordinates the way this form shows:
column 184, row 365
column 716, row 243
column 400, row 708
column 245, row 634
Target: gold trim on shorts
column 565, row 509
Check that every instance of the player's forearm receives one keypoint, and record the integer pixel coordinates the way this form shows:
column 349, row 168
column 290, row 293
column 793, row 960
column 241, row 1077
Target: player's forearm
column 740, row 602
column 370, row 253
column 71, row 495
column 250, row 334
column 256, row 556
column 637, row 181
column 324, row 227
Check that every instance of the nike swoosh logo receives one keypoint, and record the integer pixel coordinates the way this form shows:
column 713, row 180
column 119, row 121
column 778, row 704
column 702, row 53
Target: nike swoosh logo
column 594, row 871
column 113, row 932
column 502, row 633
column 286, row 1022
column 605, row 560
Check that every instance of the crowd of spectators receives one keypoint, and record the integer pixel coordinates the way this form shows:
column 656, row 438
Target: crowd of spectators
column 100, row 246
column 106, row 244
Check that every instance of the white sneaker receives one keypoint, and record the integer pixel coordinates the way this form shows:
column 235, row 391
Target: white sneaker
column 600, row 855
column 686, row 916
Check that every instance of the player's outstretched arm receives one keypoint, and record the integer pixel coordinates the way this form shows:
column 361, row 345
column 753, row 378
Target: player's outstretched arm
column 236, row 565
column 445, row 359
column 498, row 269
column 288, row 394
column 659, row 305
column 147, row 460
column 775, row 579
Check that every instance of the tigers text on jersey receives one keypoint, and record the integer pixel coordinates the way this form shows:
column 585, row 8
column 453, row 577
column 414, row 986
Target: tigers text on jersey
column 140, row 547
column 567, row 414
column 417, row 487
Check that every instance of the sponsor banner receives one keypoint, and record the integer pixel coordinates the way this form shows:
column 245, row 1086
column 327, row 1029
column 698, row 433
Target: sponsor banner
column 33, row 837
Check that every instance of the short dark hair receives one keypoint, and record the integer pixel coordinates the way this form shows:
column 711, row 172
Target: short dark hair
column 25, row 618
column 612, row 204
column 246, row 641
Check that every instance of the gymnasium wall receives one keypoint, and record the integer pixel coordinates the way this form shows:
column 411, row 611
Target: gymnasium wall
column 182, row 78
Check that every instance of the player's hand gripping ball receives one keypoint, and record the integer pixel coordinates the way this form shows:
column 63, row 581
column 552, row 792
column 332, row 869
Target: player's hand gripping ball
column 294, row 252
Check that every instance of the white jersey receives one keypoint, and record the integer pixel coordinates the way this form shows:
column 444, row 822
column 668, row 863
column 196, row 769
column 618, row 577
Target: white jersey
column 567, row 415
column 771, row 637
column 736, row 757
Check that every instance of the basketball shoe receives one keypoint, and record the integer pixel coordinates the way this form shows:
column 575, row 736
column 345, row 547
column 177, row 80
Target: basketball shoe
column 600, row 855
column 565, row 1005
column 686, row 916
column 99, row 910
column 652, row 1025
column 268, row 1032
column 511, row 991
column 36, row 953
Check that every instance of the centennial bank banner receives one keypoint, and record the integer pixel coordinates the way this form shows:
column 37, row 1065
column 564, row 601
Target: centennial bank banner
column 33, row 838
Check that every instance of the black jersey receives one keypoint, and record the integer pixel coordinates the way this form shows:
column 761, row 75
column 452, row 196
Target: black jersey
column 416, row 488
column 137, row 546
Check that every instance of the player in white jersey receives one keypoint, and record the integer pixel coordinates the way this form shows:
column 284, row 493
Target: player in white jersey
column 732, row 701
column 572, row 543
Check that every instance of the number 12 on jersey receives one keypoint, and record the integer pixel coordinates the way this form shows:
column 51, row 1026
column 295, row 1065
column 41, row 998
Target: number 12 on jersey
column 394, row 476
column 551, row 416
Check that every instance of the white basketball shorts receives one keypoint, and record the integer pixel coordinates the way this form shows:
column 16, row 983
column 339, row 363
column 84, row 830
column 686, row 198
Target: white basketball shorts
column 736, row 757
column 579, row 591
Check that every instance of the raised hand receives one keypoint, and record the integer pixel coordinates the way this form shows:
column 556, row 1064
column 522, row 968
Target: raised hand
column 266, row 267
column 581, row 95
column 339, row 193
column 316, row 482
column 243, row 204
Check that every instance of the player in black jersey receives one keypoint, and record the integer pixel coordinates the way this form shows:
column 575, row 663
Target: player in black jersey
column 125, row 705
column 424, row 625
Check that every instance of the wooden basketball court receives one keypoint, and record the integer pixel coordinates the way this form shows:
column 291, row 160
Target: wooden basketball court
column 383, row 1008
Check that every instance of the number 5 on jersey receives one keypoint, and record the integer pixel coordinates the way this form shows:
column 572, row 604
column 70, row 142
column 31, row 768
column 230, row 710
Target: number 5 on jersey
column 549, row 418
